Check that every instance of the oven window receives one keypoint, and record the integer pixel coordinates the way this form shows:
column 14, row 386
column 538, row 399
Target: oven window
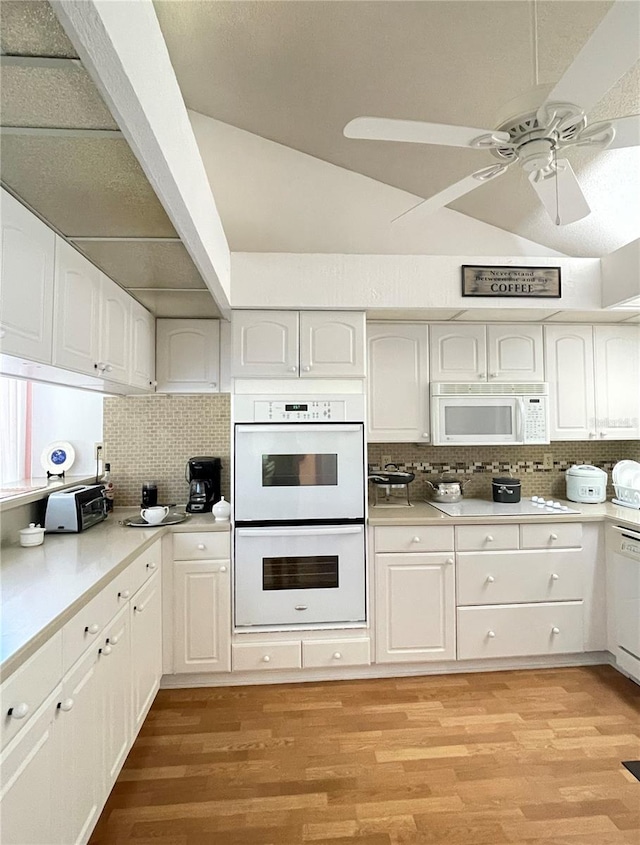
column 306, row 470
column 471, row 420
column 317, row 572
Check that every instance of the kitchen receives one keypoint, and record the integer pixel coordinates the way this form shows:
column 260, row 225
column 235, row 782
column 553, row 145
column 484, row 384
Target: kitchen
column 412, row 315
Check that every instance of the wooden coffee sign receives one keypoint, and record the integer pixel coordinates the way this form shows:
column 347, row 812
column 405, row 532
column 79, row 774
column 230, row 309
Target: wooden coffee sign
column 511, row 281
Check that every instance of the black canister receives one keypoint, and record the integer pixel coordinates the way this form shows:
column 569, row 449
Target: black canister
column 149, row 494
column 506, row 490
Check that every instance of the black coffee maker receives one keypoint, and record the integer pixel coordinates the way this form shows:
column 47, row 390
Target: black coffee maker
column 203, row 475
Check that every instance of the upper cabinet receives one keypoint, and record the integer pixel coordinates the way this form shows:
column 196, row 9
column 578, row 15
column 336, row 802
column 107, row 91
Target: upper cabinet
column 289, row 344
column 475, row 352
column 593, row 373
column 142, row 360
column 26, row 281
column 115, row 339
column 188, row 356
column 398, row 382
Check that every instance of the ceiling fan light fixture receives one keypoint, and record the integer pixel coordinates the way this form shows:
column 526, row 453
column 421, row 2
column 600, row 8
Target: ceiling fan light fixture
column 536, row 155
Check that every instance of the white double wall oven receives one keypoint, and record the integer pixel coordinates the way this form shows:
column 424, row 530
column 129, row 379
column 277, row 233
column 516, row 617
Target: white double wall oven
column 299, row 491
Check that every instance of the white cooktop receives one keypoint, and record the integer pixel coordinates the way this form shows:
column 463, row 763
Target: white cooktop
column 482, row 507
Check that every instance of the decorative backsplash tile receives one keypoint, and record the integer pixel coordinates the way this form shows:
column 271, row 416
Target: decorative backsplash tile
column 150, row 438
column 481, row 463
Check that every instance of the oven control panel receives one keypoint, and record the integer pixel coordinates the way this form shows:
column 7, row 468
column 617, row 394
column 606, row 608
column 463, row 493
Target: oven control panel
column 283, row 410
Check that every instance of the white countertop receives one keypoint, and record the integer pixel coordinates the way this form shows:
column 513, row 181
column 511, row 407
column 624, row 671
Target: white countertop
column 42, row 587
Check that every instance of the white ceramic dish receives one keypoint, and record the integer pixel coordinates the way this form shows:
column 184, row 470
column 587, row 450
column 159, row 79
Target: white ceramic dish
column 58, row 457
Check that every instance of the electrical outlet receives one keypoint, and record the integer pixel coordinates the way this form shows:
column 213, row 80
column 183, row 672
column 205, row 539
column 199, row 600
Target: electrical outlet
column 98, row 451
column 547, row 460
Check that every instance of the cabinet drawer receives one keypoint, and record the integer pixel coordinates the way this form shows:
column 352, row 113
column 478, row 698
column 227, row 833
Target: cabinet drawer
column 28, row 686
column 414, row 538
column 247, row 657
column 551, row 535
column 336, row 653
column 519, row 630
column 486, row 538
column 202, row 546
column 85, row 628
column 129, row 582
column 518, row 577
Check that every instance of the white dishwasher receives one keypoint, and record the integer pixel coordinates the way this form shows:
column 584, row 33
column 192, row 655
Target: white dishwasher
column 624, row 552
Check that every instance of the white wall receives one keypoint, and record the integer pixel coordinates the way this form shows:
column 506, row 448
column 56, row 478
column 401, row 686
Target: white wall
column 62, row 413
column 621, row 275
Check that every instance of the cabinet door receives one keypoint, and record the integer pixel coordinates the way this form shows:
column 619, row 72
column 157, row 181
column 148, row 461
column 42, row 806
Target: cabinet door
column 569, row 360
column 115, row 697
column 76, row 336
column 78, row 718
column 398, row 382
column 26, row 281
column 31, row 781
column 143, row 347
column 415, row 608
column 146, row 647
column 264, row 343
column 202, row 617
column 188, row 356
column 515, row 353
column 332, row 344
column 617, row 366
column 458, row 353
column 115, row 312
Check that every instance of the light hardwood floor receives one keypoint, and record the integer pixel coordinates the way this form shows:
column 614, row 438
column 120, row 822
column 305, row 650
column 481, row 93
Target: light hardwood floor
column 477, row 759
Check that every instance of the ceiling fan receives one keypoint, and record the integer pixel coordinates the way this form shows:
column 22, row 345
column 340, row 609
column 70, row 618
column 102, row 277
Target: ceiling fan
column 534, row 132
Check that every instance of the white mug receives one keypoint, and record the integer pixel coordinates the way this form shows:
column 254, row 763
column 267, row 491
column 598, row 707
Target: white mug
column 155, row 515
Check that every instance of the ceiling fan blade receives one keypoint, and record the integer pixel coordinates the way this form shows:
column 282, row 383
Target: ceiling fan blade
column 560, row 193
column 419, row 132
column 453, row 192
column 627, row 131
column 610, row 52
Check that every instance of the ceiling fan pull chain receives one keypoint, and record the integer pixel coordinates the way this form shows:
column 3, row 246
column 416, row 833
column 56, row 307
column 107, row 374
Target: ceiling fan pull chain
column 555, row 161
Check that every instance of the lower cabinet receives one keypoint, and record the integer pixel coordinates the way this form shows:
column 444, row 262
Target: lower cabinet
column 115, row 704
column 301, row 654
column 202, row 617
column 146, row 647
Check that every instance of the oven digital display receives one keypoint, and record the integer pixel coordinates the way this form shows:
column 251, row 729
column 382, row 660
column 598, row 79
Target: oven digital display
column 296, row 407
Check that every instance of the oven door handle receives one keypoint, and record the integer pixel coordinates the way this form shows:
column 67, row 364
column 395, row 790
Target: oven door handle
column 298, row 532
column 631, row 533
column 305, row 427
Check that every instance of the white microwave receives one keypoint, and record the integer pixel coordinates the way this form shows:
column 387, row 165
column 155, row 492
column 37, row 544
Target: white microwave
column 489, row 414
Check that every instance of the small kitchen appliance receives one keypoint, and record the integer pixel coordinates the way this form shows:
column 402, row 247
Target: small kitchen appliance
column 447, row 489
column 586, row 483
column 506, row 490
column 76, row 509
column 203, row 475
column 391, row 486
column 149, row 494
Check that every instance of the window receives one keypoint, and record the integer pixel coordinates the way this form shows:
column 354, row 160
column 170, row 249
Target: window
column 15, row 430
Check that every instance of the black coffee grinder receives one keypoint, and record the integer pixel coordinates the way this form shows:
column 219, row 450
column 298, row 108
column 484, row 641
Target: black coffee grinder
column 203, row 475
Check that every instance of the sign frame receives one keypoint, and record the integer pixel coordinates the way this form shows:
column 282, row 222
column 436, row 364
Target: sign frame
column 508, row 281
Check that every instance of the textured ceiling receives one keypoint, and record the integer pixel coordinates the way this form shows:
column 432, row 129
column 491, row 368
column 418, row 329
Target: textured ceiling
column 297, row 72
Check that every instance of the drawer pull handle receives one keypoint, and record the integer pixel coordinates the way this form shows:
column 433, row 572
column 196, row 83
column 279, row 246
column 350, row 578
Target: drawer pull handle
column 201, row 546
column 66, row 705
column 114, row 640
column 490, row 579
column 92, row 629
column 449, row 561
column 293, row 369
column 489, row 538
column 337, row 655
column 491, row 634
column 152, row 565
column 555, row 630
column 553, row 536
column 106, row 650
column 306, row 368
column 302, row 607
column 124, row 594
column 19, row 711
column 223, row 569
column 415, row 539
column 139, row 608
column 554, row 576
column 266, row 659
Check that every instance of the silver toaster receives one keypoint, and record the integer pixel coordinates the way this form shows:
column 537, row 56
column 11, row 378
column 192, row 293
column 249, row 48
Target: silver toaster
column 75, row 509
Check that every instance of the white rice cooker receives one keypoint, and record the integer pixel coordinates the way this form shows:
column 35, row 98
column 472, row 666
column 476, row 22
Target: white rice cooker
column 586, row 484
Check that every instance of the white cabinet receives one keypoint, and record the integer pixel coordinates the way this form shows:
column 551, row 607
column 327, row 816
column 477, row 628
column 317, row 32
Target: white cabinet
column 414, row 594
column 594, row 374
column 26, row 282
column 202, row 616
column 146, row 647
column 115, row 338
column 188, row 356
column 475, row 352
column 398, row 382
column 288, row 344
column 114, row 704
column 142, row 357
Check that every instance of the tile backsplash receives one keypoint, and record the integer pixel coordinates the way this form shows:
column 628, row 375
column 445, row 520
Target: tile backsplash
column 150, row 438
column 481, row 463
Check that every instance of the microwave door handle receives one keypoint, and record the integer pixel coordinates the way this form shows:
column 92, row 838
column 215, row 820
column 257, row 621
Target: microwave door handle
column 297, row 532
column 520, row 419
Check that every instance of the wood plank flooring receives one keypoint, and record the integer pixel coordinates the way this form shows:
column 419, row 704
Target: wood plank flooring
column 478, row 759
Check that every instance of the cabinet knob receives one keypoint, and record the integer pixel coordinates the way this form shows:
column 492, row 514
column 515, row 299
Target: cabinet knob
column 490, row 579
column 153, row 383
column 553, row 536
column 152, row 565
column 482, row 375
column 592, row 434
column 139, row 608
column 489, row 538
column 293, row 369
column 213, row 384
column 92, row 629
column 124, row 594
column 108, row 368
column 425, row 435
column 19, row 711
column 106, row 650
column 491, row 634
column 449, row 561
column 2, row 333
column 306, row 368
column 302, row 607
column 493, row 375
column 555, row 630
column 554, row 576
column 66, row 705
column 266, row 659
column 201, row 546
column 415, row 539
column 337, row 655
column 223, row 569
column 114, row 640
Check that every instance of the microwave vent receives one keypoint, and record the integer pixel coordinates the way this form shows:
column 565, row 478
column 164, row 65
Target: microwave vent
column 488, row 389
